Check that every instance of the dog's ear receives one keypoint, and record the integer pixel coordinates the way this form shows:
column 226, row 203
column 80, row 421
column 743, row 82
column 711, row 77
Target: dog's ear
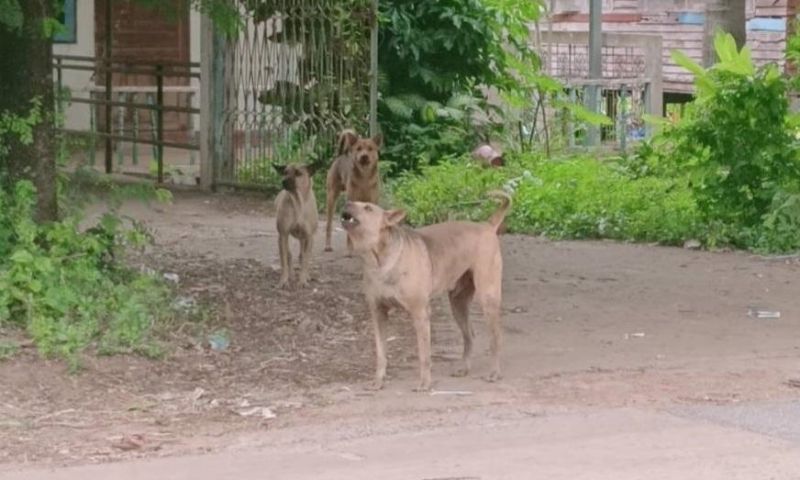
column 347, row 138
column 393, row 217
column 378, row 140
column 281, row 169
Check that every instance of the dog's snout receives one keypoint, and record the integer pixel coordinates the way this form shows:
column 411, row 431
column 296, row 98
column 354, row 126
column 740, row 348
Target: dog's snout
column 364, row 159
column 287, row 184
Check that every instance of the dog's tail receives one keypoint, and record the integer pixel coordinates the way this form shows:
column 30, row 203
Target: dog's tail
column 505, row 205
column 345, row 140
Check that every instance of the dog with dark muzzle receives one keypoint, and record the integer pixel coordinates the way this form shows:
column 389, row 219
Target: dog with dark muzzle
column 355, row 172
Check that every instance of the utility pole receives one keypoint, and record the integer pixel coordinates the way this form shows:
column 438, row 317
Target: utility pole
column 592, row 92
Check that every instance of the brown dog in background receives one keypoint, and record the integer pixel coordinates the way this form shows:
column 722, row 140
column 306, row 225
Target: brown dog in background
column 355, row 172
column 296, row 216
column 405, row 268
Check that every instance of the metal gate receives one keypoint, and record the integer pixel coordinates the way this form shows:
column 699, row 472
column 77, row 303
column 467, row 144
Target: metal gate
column 298, row 73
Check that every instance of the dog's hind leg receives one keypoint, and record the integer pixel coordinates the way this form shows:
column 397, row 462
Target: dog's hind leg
column 422, row 325
column 488, row 277
column 460, row 298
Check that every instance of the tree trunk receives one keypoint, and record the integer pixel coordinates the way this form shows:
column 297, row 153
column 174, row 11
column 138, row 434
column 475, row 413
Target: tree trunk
column 730, row 17
column 26, row 73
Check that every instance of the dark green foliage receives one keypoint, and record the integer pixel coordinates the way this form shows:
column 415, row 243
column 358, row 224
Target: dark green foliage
column 436, row 47
column 434, row 55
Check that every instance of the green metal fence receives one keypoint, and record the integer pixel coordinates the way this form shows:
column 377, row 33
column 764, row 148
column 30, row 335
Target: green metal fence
column 298, row 73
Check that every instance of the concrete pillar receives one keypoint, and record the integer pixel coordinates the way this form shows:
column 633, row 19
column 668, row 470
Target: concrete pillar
column 595, row 66
column 728, row 16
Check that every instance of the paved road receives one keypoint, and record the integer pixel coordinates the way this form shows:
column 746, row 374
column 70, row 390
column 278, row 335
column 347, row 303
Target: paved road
column 749, row 443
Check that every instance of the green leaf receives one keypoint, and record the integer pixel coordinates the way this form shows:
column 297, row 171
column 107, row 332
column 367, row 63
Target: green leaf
column 582, row 114
column 22, row 256
column 683, row 60
column 398, row 107
column 428, row 112
column 11, row 14
column 725, row 47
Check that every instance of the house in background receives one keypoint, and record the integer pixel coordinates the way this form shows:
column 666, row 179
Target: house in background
column 681, row 25
column 138, row 35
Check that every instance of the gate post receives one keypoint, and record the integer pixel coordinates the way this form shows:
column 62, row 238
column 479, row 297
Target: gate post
column 373, row 71
column 212, row 77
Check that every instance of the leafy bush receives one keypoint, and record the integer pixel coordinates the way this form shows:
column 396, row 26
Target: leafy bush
column 436, row 56
column 455, row 188
column 67, row 288
column 435, row 48
column 576, row 197
column 420, row 132
column 734, row 139
column 736, row 147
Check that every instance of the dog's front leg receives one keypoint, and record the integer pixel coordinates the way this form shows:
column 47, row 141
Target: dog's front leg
column 349, row 247
column 422, row 326
column 286, row 259
column 379, row 314
column 306, row 246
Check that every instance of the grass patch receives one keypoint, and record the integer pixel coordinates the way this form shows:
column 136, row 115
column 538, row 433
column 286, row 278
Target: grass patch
column 575, row 197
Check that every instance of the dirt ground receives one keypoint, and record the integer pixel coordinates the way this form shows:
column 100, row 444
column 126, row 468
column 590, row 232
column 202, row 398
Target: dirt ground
column 588, row 325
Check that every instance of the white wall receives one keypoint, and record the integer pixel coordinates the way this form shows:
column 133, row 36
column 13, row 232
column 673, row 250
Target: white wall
column 77, row 115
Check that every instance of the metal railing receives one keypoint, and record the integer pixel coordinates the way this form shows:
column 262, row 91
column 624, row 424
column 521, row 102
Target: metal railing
column 103, row 95
column 631, row 83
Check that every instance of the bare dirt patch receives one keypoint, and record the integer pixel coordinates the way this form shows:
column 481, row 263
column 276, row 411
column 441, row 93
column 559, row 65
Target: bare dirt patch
column 587, row 324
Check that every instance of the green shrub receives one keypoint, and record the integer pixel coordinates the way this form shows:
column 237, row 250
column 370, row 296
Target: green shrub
column 736, row 147
column 585, row 198
column 420, row 132
column 68, row 289
column 576, row 197
column 433, row 54
column 453, row 189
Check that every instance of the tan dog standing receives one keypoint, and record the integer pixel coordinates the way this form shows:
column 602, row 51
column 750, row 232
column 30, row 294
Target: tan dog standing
column 355, row 172
column 296, row 216
column 405, row 268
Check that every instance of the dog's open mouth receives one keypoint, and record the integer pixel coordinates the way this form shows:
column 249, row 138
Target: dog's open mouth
column 348, row 220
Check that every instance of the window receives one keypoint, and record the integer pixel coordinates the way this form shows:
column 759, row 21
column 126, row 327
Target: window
column 68, row 18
